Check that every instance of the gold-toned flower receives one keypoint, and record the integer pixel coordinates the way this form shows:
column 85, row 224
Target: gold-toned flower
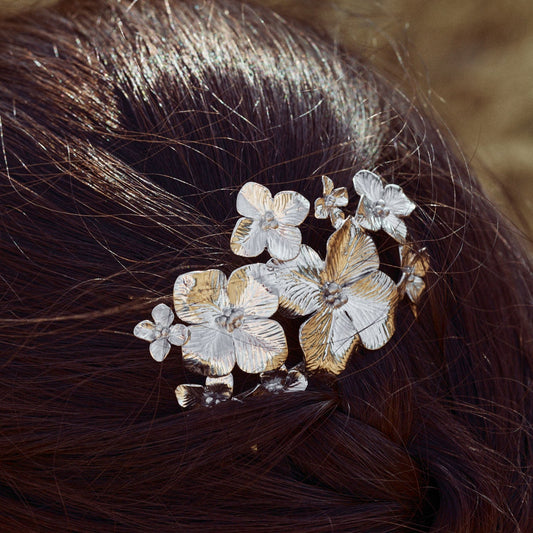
column 230, row 322
column 216, row 390
column 351, row 300
column 415, row 264
column 268, row 222
column 381, row 206
column 329, row 205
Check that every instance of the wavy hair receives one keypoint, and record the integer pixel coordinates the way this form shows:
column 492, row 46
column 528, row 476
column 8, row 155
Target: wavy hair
column 125, row 134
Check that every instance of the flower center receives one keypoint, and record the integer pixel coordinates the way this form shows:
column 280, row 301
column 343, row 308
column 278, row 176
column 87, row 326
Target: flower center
column 333, row 294
column 214, row 398
column 160, row 331
column 380, row 209
column 230, row 319
column 268, row 221
column 275, row 384
column 329, row 200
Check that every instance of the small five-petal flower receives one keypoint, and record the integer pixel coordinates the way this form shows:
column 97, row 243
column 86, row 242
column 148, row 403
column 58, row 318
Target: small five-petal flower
column 160, row 333
column 351, row 301
column 230, row 322
column 381, row 206
column 329, row 205
column 268, row 222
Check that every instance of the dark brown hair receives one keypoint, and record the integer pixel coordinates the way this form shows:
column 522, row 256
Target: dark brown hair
column 125, row 133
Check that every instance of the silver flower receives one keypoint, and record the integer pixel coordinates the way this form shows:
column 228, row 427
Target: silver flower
column 414, row 268
column 283, row 380
column 381, row 207
column 351, row 300
column 216, row 390
column 268, row 222
column 160, row 333
column 230, row 322
column 331, row 202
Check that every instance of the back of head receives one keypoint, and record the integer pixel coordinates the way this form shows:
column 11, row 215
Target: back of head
column 126, row 134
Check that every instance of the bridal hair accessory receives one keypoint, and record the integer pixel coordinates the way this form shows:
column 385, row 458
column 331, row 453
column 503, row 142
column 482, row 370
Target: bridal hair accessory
column 228, row 321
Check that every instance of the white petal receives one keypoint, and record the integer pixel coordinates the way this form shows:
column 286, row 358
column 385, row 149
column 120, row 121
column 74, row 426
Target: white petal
column 260, row 345
column 414, row 288
column 163, row 315
column 368, row 184
column 209, row 351
column 284, row 242
column 365, row 218
column 327, row 340
column 297, row 282
column 248, row 239
column 395, row 227
column 200, row 296
column 320, row 208
column 253, row 200
column 247, row 291
column 159, row 349
column 145, row 330
column 327, row 185
column 290, row 208
column 341, row 196
column 396, row 201
column 337, row 217
column 351, row 255
column 178, row 335
column 371, row 305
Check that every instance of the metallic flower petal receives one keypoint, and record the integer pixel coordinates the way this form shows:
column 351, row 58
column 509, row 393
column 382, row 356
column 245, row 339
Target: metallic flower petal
column 340, row 196
column 351, row 255
column 297, row 282
column 396, row 201
column 337, row 217
column 227, row 381
column 248, row 239
column 368, row 184
column 371, row 305
column 414, row 287
column 189, row 395
column 284, row 242
column 290, row 208
column 320, row 209
column 417, row 261
column 145, row 330
column 162, row 315
column 395, row 227
column 159, row 349
column 253, row 200
column 327, row 340
column 246, row 291
column 365, row 218
column 327, row 185
column 210, row 350
column 199, row 296
column 260, row 345
column 178, row 335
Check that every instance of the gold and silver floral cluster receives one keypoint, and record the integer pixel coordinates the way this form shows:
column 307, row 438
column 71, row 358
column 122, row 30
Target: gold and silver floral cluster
column 347, row 299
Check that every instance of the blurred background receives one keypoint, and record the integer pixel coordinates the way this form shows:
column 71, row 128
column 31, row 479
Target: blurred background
column 472, row 60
